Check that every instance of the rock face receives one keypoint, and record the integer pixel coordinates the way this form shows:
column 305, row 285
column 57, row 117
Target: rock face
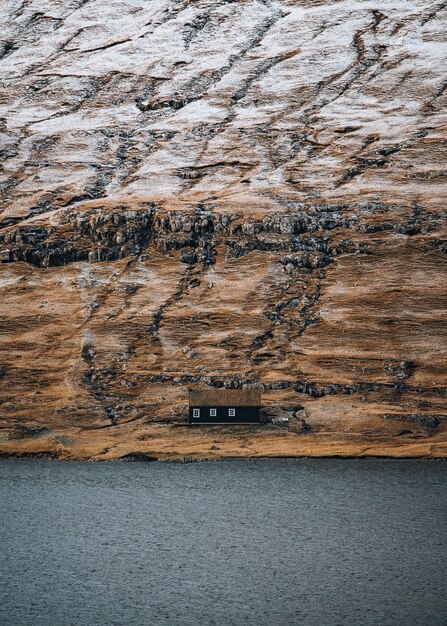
column 223, row 193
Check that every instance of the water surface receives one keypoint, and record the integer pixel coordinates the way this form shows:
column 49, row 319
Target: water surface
column 265, row 542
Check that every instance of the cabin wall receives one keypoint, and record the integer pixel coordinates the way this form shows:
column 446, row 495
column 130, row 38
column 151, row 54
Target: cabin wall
column 243, row 414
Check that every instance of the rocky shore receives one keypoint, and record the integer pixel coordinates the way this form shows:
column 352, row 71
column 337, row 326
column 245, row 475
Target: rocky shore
column 151, row 442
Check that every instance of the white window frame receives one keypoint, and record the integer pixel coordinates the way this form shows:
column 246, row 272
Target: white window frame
column 196, row 412
column 231, row 412
column 213, row 412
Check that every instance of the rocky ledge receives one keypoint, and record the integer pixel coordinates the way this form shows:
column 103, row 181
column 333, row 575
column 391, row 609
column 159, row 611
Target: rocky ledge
column 225, row 194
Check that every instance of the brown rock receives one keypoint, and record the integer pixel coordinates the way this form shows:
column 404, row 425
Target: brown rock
column 297, row 423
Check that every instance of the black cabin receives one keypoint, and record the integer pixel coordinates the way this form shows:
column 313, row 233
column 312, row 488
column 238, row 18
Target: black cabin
column 224, row 406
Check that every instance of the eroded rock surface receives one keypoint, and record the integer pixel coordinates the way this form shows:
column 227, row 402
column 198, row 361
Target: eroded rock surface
column 223, row 193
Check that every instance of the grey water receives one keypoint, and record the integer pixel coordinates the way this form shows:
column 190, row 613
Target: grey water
column 240, row 542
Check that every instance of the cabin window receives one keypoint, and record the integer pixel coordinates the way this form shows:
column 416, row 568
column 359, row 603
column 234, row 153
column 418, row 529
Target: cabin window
column 213, row 412
column 231, row 412
column 196, row 412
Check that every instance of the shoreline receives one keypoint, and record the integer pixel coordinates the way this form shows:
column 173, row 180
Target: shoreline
column 180, row 460
column 153, row 442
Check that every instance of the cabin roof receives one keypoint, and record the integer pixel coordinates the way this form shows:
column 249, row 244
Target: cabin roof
column 224, row 397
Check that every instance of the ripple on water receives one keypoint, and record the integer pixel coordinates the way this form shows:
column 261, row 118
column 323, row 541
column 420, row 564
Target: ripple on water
column 309, row 542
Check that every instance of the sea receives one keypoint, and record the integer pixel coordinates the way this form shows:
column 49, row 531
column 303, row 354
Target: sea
column 309, row 542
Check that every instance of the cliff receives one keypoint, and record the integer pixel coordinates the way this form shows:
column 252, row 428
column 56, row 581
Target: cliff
column 223, row 193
